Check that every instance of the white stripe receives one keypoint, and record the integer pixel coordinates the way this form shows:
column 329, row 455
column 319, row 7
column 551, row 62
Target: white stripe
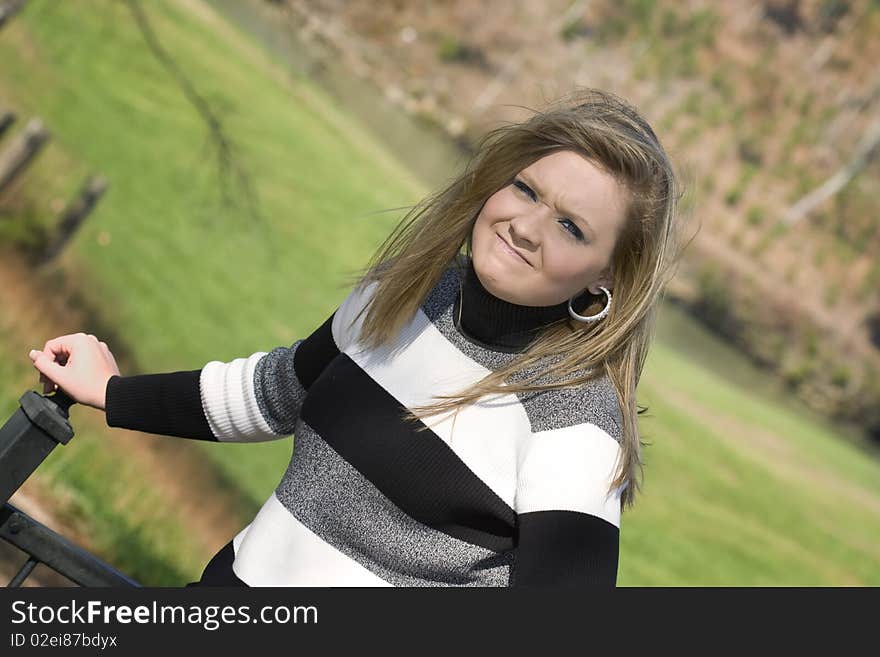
column 276, row 549
column 229, row 402
column 343, row 334
column 485, row 435
column 570, row 469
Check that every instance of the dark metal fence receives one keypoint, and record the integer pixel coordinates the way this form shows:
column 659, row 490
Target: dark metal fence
column 28, row 437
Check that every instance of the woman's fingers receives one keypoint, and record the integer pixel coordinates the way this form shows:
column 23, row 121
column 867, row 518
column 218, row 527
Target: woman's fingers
column 79, row 364
column 59, row 349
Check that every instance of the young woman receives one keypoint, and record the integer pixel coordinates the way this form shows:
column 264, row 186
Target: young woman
column 467, row 415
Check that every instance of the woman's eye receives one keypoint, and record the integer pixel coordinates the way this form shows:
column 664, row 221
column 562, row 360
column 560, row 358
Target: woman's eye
column 519, row 184
column 569, row 225
column 573, row 229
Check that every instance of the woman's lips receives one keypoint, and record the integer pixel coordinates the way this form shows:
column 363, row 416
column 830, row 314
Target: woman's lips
column 511, row 250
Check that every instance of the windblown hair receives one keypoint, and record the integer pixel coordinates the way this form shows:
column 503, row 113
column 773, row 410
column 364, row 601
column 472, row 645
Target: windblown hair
column 611, row 134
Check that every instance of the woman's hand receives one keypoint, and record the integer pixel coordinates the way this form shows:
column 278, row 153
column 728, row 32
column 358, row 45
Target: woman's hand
column 78, row 364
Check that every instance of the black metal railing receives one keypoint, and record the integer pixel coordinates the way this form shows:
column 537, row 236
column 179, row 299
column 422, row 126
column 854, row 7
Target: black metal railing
column 28, row 437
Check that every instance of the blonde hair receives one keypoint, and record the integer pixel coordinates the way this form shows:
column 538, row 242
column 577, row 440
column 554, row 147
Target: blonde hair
column 611, row 134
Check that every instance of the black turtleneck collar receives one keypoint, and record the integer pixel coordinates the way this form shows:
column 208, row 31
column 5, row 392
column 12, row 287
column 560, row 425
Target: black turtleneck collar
column 497, row 324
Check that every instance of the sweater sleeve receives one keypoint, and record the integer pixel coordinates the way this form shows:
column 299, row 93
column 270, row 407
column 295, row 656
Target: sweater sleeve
column 250, row 399
column 568, row 523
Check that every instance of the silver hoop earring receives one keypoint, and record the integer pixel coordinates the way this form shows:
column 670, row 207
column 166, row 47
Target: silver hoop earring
column 591, row 318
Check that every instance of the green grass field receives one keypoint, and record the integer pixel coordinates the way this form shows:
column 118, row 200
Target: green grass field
column 739, row 489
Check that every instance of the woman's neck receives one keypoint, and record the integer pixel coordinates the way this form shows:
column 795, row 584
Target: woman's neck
column 495, row 323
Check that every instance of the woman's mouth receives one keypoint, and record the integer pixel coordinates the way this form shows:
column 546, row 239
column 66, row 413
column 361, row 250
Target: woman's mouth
column 506, row 247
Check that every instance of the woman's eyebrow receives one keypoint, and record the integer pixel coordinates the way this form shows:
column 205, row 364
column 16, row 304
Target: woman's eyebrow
column 529, row 179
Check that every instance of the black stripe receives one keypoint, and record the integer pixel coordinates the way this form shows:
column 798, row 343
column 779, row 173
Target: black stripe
column 314, row 353
column 168, row 404
column 219, row 571
column 416, row 470
column 565, row 549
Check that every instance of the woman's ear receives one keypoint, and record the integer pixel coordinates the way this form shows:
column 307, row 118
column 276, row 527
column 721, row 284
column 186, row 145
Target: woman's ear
column 606, row 279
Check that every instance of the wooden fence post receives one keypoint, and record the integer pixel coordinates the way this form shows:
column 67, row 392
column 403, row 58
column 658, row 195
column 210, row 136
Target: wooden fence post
column 7, row 9
column 21, row 151
column 73, row 217
column 7, row 118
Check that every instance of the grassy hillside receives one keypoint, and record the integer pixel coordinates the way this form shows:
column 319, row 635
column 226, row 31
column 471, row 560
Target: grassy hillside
column 179, row 278
column 743, row 488
column 738, row 489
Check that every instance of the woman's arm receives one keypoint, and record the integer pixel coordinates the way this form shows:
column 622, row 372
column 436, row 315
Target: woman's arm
column 568, row 525
column 251, row 399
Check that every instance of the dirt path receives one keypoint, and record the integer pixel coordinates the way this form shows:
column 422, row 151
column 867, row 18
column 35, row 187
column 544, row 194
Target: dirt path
column 177, row 469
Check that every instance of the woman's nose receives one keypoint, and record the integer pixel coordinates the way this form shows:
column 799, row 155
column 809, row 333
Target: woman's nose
column 527, row 226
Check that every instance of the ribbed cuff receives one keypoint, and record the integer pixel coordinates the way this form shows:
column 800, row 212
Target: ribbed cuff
column 168, row 404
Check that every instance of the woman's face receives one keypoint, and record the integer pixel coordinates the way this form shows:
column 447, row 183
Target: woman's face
column 549, row 235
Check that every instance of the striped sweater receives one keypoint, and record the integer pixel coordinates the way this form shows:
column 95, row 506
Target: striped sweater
column 513, row 491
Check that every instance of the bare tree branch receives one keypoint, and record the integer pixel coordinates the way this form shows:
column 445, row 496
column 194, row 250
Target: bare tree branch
column 227, row 160
column 865, row 152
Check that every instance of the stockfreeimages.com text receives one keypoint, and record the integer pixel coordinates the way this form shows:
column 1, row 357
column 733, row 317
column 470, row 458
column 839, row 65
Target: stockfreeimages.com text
column 210, row 616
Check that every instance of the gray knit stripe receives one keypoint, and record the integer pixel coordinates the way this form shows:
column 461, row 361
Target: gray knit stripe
column 278, row 391
column 594, row 403
column 330, row 497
